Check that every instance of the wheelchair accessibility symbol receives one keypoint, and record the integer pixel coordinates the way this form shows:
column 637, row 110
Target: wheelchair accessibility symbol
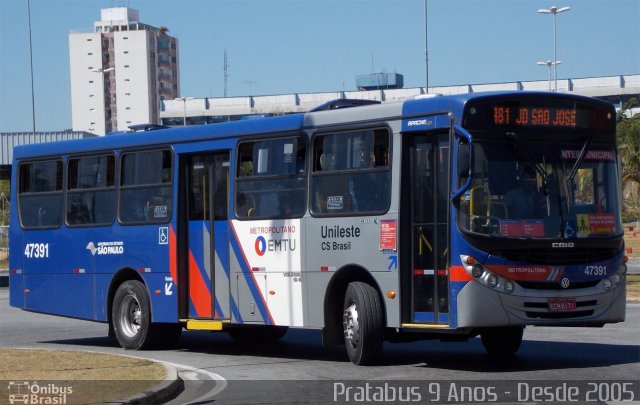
column 163, row 235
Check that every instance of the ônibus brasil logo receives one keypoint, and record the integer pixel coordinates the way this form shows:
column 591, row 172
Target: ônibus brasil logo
column 24, row 392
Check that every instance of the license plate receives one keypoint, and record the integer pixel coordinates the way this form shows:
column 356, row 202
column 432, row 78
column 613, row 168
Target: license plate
column 562, row 304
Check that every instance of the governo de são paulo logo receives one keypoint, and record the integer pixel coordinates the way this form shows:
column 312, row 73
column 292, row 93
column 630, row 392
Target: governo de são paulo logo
column 106, row 248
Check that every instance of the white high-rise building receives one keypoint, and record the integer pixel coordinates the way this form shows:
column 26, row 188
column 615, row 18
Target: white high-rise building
column 120, row 72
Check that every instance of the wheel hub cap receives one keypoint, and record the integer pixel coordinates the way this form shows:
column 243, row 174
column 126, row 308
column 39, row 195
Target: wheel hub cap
column 351, row 326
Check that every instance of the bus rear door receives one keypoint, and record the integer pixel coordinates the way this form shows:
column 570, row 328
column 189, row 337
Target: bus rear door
column 204, row 251
column 425, row 226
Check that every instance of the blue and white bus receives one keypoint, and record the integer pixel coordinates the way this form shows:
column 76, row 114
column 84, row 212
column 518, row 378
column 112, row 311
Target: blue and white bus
column 446, row 217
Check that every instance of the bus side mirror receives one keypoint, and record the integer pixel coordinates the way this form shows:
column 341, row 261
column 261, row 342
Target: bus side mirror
column 464, row 160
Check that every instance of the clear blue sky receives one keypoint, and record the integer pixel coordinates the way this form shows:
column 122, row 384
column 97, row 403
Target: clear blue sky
column 277, row 47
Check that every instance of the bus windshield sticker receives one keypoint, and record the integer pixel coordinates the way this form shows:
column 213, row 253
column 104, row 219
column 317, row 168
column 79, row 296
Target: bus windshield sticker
column 522, row 228
column 335, row 202
column 606, row 155
column 595, row 224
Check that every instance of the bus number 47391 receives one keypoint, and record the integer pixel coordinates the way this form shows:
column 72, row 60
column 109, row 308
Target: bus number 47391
column 36, row 250
column 595, row 270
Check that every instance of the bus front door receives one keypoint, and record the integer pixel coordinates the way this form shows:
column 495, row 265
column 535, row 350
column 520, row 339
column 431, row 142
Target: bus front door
column 205, row 261
column 425, row 224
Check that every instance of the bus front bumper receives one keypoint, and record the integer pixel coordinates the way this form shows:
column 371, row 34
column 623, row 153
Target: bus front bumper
column 479, row 306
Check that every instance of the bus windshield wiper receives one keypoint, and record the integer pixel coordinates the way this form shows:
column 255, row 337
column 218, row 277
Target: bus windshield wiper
column 525, row 156
column 574, row 169
column 579, row 160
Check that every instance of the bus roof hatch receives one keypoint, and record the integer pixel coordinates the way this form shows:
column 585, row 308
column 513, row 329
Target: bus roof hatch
column 343, row 103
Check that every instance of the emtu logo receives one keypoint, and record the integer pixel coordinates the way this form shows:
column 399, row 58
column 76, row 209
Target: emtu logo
column 261, row 245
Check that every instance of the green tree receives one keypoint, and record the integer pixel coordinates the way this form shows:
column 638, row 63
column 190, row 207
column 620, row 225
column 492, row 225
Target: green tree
column 628, row 139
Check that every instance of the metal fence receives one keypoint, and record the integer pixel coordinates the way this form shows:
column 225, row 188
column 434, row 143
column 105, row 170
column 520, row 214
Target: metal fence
column 4, row 242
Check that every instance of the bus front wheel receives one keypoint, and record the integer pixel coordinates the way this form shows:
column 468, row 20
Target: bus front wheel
column 502, row 342
column 131, row 315
column 362, row 322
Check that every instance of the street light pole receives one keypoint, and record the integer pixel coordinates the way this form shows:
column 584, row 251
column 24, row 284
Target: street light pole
column 426, row 49
column 553, row 11
column 549, row 64
column 33, row 98
column 184, row 108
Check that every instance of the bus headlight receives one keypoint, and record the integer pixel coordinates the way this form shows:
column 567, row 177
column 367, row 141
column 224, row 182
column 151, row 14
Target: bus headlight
column 622, row 270
column 477, row 270
column 508, row 287
column 492, row 281
column 616, row 279
column 485, row 276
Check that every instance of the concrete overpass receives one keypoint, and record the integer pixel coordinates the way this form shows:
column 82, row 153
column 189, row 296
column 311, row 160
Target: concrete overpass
column 615, row 89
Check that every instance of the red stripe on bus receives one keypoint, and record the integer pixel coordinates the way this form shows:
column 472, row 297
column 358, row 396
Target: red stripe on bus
column 198, row 291
column 173, row 256
column 458, row 273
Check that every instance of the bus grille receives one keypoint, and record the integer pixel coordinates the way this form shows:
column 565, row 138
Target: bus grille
column 545, row 285
column 559, row 315
column 544, row 305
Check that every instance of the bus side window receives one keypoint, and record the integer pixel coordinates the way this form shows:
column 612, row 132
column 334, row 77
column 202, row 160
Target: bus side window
column 91, row 196
column 40, row 194
column 271, row 178
column 145, row 188
column 351, row 173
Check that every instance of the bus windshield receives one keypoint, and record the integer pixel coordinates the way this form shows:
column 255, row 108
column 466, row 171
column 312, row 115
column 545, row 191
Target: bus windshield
column 522, row 188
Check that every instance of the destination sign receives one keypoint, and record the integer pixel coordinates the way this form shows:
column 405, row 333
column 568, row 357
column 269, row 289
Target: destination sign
column 525, row 116
column 533, row 114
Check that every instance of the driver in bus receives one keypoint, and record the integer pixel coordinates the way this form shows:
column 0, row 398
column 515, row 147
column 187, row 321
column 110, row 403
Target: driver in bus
column 523, row 198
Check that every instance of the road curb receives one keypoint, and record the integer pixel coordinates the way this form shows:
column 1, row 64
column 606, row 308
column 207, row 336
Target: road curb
column 166, row 390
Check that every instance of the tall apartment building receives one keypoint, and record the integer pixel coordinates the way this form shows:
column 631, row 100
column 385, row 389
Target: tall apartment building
column 120, row 72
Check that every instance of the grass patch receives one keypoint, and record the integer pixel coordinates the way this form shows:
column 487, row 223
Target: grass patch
column 93, row 377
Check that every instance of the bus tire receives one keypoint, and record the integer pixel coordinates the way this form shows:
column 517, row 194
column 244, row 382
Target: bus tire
column 362, row 322
column 502, row 342
column 131, row 315
column 258, row 335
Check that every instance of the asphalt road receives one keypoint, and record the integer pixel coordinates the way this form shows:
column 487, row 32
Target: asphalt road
column 298, row 369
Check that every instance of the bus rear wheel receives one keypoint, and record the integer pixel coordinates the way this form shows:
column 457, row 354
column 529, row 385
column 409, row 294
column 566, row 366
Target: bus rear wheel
column 131, row 315
column 502, row 342
column 362, row 323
